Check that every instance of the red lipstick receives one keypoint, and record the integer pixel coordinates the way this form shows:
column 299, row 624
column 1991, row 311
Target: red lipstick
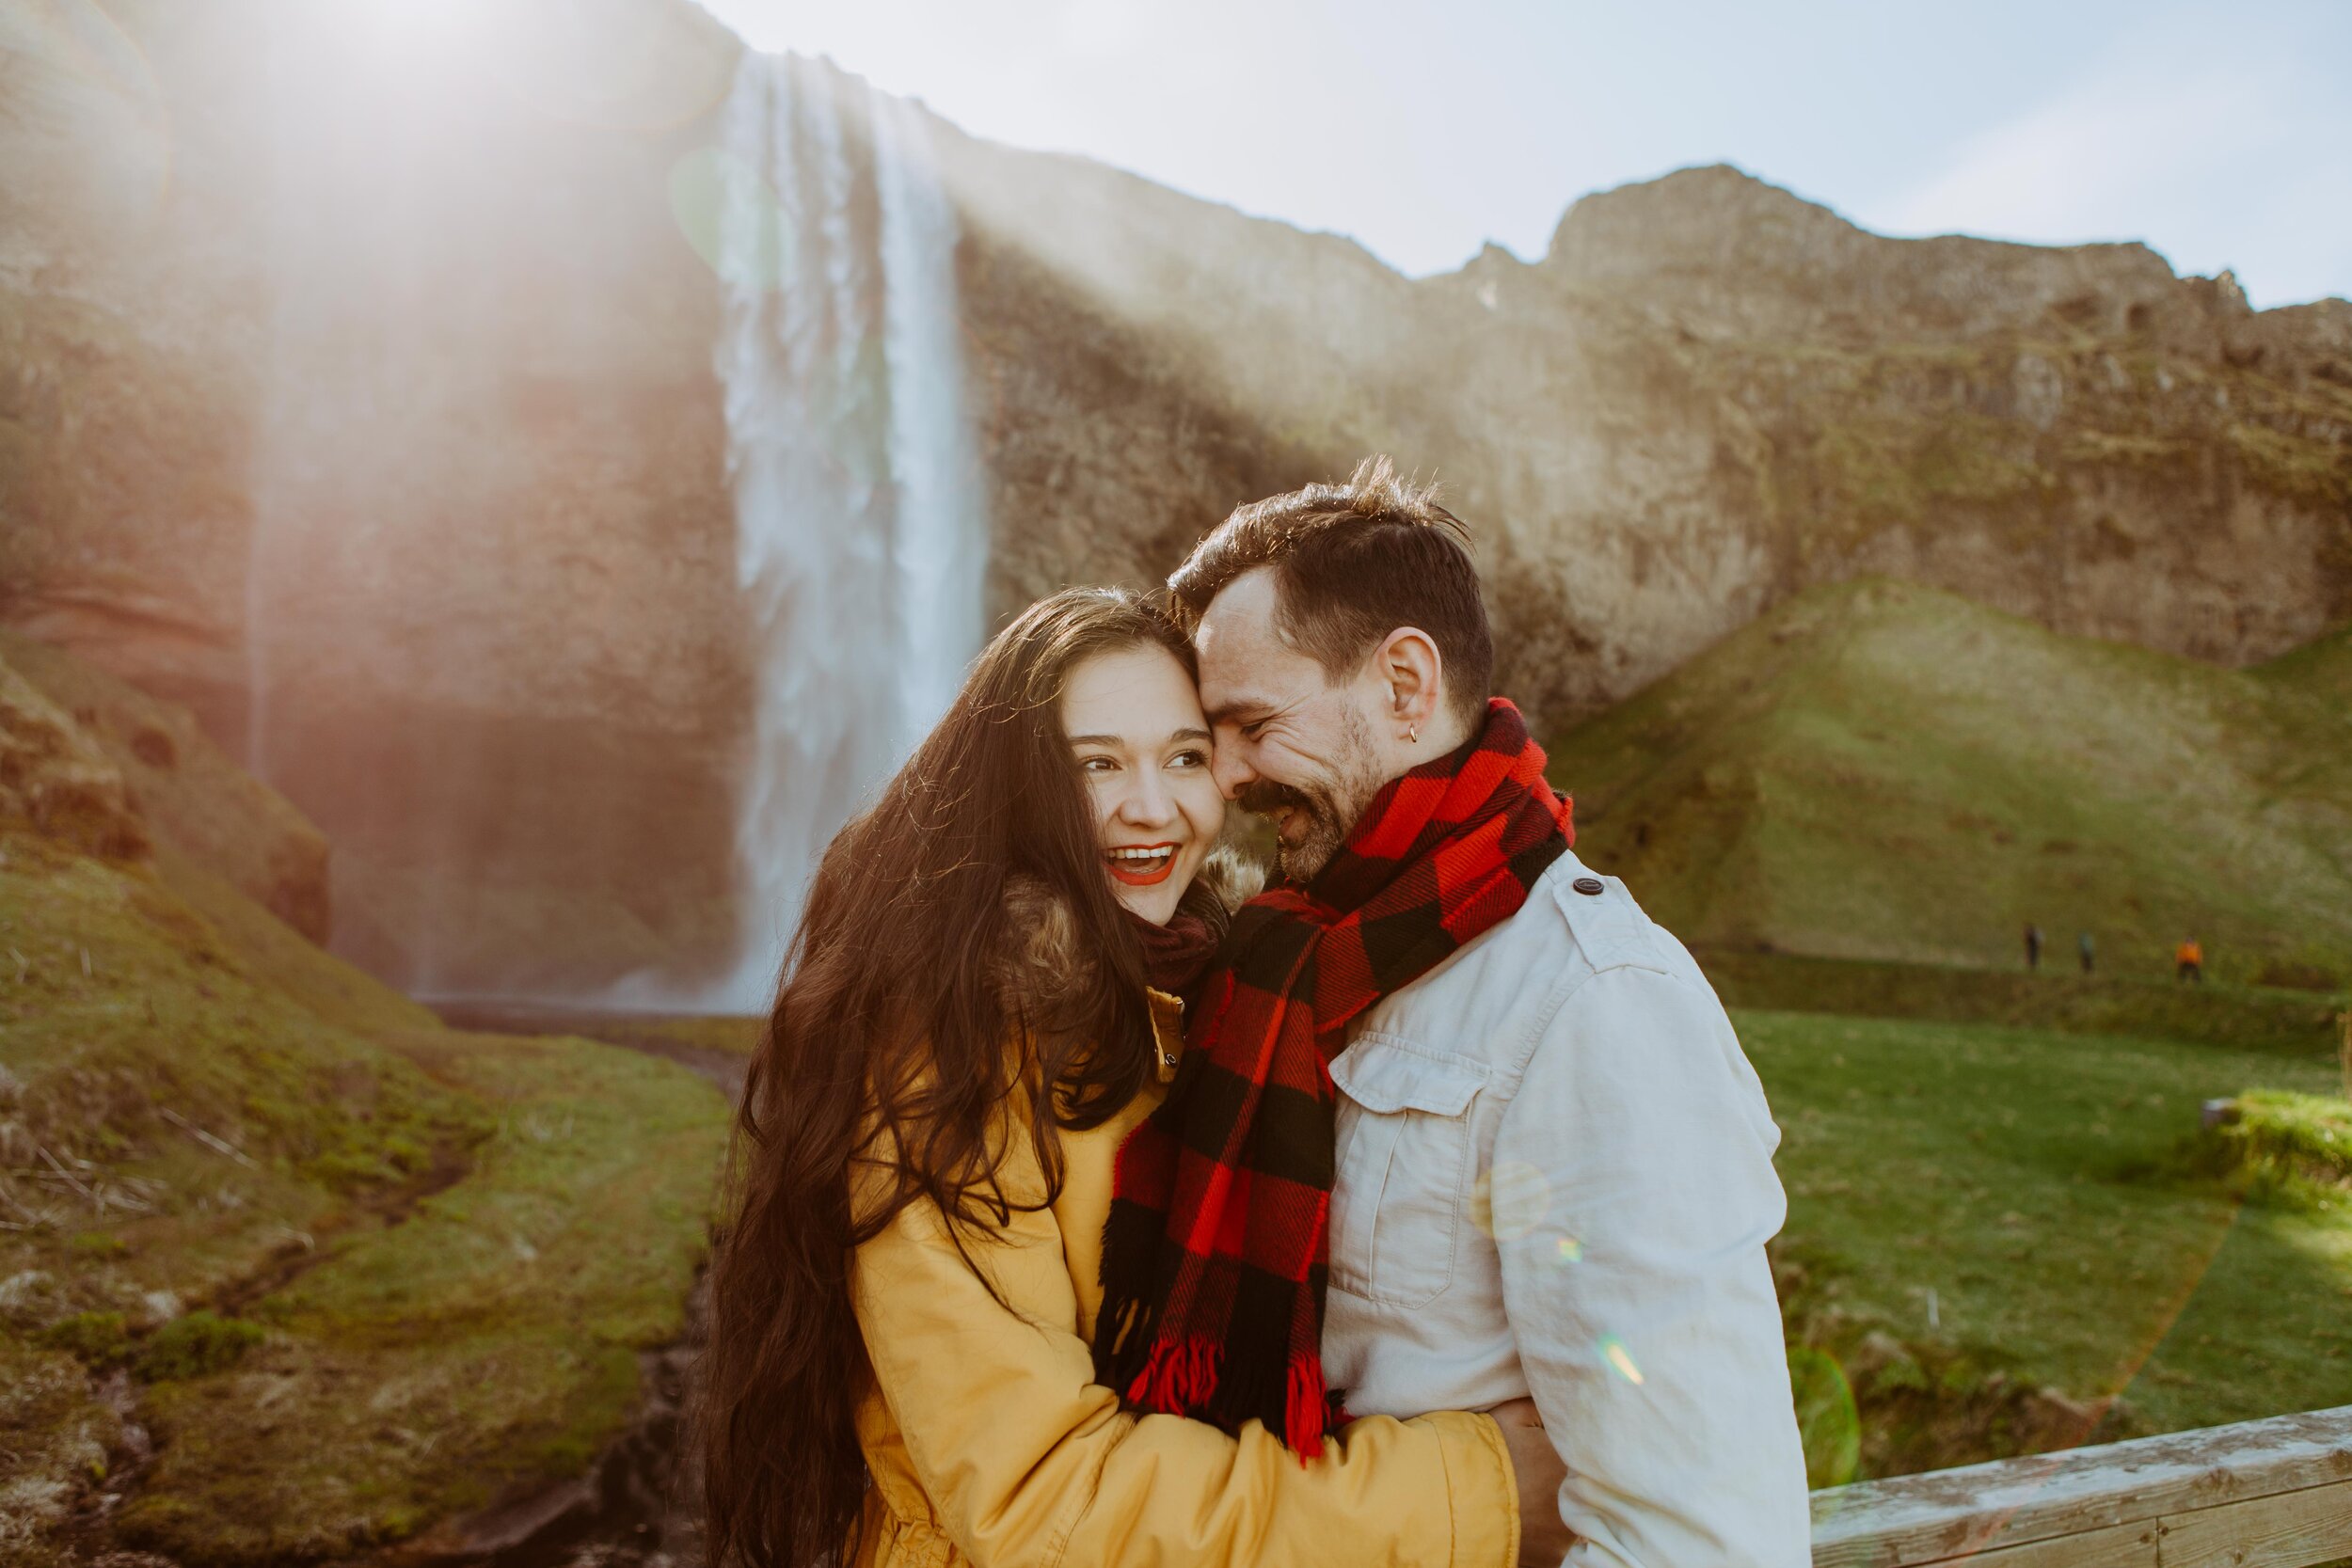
column 1139, row 872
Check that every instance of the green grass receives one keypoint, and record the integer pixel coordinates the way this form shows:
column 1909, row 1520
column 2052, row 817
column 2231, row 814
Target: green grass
column 136, row 1032
column 487, row 1342
column 476, row 1234
column 2293, row 1149
column 2031, row 1181
column 368, row 1272
column 1879, row 770
column 2245, row 1018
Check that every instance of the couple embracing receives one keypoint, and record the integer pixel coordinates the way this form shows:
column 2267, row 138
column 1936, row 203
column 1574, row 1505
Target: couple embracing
column 1098, row 1207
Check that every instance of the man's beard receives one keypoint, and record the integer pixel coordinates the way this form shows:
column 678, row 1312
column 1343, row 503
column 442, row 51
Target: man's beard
column 1330, row 807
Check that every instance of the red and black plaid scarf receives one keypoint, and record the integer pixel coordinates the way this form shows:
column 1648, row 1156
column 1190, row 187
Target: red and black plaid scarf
column 1215, row 1254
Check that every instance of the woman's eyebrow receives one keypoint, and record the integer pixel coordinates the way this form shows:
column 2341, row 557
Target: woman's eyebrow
column 1121, row 741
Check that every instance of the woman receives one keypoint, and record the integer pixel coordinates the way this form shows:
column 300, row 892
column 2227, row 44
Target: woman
column 981, row 1001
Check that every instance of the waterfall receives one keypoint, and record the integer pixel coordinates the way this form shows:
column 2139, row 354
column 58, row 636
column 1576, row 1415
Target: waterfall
column 860, row 534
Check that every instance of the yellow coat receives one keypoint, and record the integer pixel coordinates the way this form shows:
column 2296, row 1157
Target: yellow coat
column 991, row 1444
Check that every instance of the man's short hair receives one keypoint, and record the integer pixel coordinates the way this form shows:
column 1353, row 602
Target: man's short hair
column 1352, row 563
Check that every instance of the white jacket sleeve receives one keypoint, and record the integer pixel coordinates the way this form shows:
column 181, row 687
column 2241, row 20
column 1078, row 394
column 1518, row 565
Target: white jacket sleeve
column 1640, row 1298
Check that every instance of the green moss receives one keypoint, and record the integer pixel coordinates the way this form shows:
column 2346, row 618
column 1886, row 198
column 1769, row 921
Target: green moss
column 2125, row 447
column 2283, row 1147
column 2311, row 469
column 55, row 1440
column 97, row 1339
column 496, row 1326
column 198, row 1345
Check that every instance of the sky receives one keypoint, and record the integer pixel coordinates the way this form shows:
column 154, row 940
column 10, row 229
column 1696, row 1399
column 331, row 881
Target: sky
column 2219, row 134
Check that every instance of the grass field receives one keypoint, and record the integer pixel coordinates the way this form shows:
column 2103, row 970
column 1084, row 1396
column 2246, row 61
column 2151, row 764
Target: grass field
column 2036, row 1183
column 2248, row 1017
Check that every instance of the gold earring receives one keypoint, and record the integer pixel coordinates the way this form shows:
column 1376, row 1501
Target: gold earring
column 1412, row 736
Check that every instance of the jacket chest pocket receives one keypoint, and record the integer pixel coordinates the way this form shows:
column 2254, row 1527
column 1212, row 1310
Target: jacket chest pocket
column 1404, row 1161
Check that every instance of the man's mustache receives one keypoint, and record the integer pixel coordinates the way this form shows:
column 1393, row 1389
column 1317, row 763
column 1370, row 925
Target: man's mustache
column 1265, row 797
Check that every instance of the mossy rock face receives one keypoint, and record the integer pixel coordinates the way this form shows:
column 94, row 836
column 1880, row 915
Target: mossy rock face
column 55, row 780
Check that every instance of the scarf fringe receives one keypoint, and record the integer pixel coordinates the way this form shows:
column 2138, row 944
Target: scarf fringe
column 1181, row 1378
column 1307, row 1411
column 1178, row 1379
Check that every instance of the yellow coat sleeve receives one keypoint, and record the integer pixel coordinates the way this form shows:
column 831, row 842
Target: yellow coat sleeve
column 1028, row 1461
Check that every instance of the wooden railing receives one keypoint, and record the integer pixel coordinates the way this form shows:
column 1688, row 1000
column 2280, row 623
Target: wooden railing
column 2273, row 1494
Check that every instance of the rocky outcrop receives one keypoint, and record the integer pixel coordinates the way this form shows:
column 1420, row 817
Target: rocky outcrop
column 383, row 432
column 53, row 779
column 177, row 788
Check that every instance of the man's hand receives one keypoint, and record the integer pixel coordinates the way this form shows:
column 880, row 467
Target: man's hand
column 1536, row 1467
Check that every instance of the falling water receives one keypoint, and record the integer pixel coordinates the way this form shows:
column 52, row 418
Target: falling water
column 860, row 535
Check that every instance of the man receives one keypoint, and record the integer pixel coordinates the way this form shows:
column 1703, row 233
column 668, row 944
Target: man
column 1553, row 1166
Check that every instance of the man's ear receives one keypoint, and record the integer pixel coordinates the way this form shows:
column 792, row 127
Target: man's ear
column 1411, row 670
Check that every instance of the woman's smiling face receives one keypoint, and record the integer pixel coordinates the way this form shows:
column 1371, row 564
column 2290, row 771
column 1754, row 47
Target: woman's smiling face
column 1136, row 730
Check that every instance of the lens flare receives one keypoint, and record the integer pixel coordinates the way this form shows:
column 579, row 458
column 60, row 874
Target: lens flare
column 1828, row 1422
column 706, row 186
column 1614, row 1352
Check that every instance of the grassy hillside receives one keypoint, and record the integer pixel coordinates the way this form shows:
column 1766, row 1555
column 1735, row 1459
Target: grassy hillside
column 1880, row 770
column 352, row 1272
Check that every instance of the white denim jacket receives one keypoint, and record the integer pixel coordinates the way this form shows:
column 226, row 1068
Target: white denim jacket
column 1555, row 1177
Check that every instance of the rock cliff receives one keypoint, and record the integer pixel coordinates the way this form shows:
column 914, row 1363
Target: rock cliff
column 368, row 407
column 1710, row 394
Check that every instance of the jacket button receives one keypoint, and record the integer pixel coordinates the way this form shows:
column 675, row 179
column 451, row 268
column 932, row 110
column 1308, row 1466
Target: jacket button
column 1589, row 886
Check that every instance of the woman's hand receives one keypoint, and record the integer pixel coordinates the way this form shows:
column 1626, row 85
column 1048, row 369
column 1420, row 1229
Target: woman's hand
column 1536, row 1466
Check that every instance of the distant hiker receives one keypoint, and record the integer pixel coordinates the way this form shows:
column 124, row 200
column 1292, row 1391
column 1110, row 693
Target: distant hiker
column 2033, row 945
column 2089, row 951
column 2188, row 961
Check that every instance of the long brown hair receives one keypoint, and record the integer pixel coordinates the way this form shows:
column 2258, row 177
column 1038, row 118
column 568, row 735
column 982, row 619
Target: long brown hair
column 890, row 1035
